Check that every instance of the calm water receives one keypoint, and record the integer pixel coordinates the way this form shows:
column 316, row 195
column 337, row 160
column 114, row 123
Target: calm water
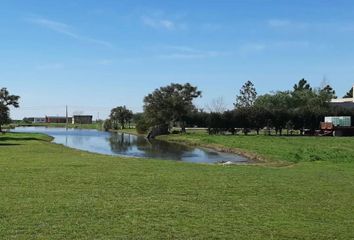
column 131, row 145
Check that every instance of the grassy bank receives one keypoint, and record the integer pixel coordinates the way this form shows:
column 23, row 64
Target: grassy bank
column 52, row 192
column 274, row 148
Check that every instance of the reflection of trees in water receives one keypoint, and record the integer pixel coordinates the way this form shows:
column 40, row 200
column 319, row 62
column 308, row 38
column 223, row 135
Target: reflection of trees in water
column 121, row 142
column 77, row 140
column 124, row 143
column 162, row 149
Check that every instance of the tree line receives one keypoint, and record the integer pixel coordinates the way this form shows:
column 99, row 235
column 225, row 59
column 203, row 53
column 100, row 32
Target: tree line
column 301, row 108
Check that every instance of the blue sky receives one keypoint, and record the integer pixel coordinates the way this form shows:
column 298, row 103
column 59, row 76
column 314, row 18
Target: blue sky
column 94, row 55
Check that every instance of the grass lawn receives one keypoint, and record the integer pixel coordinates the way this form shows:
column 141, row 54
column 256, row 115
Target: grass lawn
column 275, row 148
column 52, row 192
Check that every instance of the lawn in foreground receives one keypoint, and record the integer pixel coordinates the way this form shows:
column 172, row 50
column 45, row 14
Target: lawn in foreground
column 52, row 192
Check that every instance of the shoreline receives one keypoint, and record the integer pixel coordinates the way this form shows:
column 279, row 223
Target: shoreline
column 253, row 158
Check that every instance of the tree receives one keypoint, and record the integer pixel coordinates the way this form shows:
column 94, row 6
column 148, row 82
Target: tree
column 328, row 92
column 302, row 85
column 349, row 94
column 107, row 125
column 6, row 100
column 170, row 104
column 197, row 118
column 217, row 105
column 247, row 96
column 216, row 123
column 310, row 105
column 120, row 115
column 258, row 118
column 141, row 125
column 278, row 106
column 4, row 115
column 140, row 122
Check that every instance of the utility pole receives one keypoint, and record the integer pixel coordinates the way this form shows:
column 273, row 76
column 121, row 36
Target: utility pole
column 67, row 118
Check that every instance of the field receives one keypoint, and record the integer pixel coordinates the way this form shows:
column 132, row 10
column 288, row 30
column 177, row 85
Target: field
column 52, row 192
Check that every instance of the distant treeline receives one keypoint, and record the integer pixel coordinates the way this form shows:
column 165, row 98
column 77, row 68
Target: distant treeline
column 302, row 108
column 258, row 118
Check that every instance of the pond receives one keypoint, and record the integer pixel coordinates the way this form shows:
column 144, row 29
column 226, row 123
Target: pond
column 122, row 144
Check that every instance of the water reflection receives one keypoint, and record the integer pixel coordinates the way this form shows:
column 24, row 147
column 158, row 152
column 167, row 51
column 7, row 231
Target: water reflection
column 122, row 143
column 130, row 145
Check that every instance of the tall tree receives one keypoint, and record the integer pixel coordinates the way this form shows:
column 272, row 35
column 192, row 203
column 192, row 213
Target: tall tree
column 121, row 115
column 302, row 85
column 349, row 94
column 328, row 92
column 6, row 100
column 170, row 104
column 247, row 96
column 310, row 105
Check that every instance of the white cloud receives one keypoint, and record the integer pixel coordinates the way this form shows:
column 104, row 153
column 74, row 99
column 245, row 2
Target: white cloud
column 286, row 24
column 162, row 23
column 211, row 27
column 250, row 48
column 291, row 44
column 105, row 62
column 278, row 23
column 67, row 30
column 167, row 24
column 50, row 66
column 183, row 52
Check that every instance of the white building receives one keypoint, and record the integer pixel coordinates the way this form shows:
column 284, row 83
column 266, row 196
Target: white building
column 344, row 102
column 38, row 120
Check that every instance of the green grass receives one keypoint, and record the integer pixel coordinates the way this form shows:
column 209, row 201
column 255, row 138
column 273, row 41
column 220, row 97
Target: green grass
column 275, row 148
column 52, row 192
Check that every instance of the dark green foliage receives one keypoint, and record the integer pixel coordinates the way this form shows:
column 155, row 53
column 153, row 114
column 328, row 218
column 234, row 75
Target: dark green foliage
column 27, row 120
column 349, row 94
column 142, row 125
column 107, row 125
column 247, row 96
column 328, row 92
column 4, row 115
column 278, row 108
column 302, row 85
column 216, row 123
column 197, row 119
column 7, row 100
column 170, row 104
column 300, row 109
column 120, row 115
